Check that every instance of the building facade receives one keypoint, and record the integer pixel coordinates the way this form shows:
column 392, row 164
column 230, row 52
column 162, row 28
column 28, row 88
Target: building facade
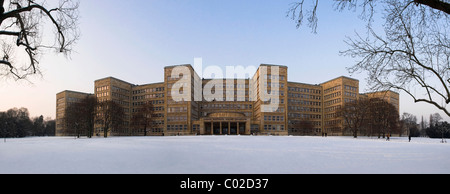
column 265, row 104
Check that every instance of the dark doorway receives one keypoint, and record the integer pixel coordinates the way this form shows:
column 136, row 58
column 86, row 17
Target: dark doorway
column 233, row 128
column 224, row 128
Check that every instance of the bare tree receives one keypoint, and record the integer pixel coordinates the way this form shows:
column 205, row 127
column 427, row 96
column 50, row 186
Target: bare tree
column 143, row 117
column 355, row 115
column 435, row 119
column 80, row 117
column 109, row 116
column 383, row 117
column 22, row 26
column 304, row 126
column 413, row 54
column 73, row 120
column 408, row 122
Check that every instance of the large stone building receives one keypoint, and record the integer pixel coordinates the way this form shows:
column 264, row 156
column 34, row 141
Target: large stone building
column 228, row 106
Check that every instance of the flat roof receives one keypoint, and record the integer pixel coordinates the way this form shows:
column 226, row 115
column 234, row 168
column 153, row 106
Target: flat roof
column 170, row 66
column 70, row 91
column 144, row 85
column 110, row 77
column 340, row 78
column 263, row 64
column 382, row 91
column 317, row 85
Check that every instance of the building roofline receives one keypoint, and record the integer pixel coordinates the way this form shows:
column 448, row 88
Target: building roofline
column 110, row 77
column 340, row 78
column 71, row 91
column 291, row 82
column 382, row 91
column 143, row 85
column 263, row 64
column 171, row 66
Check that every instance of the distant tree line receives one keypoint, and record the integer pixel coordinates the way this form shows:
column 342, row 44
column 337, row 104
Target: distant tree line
column 435, row 128
column 439, row 130
column 16, row 123
column 377, row 117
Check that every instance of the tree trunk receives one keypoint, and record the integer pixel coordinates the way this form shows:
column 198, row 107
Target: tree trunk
column 105, row 132
column 2, row 9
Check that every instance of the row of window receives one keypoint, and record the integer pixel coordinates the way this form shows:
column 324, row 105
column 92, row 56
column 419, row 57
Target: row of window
column 148, row 90
column 120, row 90
column 304, row 90
column 274, row 77
column 176, row 118
column 273, row 118
column 333, row 108
column 212, row 98
column 335, row 101
column 120, row 95
column 333, row 95
column 158, row 122
column 176, row 127
column 331, row 116
column 304, row 109
column 304, row 116
column 303, row 102
column 148, row 96
column 274, row 85
column 102, row 88
column 332, row 123
column 296, row 122
column 205, row 114
column 103, row 94
column 195, row 127
column 226, row 106
column 347, row 100
column 176, row 109
column 351, row 94
column 272, row 109
column 274, row 127
column 335, row 88
column 155, row 108
column 152, row 101
column 305, row 96
column 351, row 88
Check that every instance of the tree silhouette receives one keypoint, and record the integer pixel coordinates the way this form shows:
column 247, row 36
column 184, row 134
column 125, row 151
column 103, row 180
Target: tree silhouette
column 22, row 26
column 413, row 53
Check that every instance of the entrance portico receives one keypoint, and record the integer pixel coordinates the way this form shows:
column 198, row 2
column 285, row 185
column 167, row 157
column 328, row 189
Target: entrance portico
column 225, row 124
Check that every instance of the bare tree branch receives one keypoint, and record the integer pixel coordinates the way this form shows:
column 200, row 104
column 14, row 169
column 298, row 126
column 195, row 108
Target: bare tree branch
column 435, row 4
column 412, row 55
column 23, row 19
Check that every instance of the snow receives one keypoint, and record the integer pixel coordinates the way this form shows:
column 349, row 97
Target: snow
column 223, row 155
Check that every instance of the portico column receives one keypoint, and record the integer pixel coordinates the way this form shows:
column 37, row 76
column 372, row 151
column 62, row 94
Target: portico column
column 220, row 128
column 237, row 131
column 212, row 128
column 229, row 127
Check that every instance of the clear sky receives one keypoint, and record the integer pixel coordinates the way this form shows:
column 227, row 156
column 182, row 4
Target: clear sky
column 134, row 40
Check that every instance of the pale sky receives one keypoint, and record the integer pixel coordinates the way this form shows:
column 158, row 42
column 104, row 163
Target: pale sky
column 134, row 40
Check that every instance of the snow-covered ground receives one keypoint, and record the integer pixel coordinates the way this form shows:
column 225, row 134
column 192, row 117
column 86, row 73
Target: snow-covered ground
column 224, row 155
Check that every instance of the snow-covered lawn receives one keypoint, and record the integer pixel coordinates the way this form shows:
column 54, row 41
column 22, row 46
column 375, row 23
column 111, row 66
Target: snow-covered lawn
column 223, row 155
